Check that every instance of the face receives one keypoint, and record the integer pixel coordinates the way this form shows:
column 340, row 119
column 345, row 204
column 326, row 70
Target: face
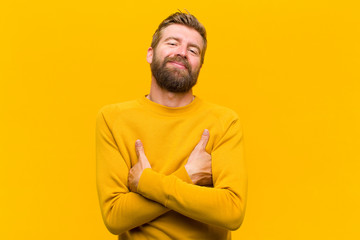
column 176, row 61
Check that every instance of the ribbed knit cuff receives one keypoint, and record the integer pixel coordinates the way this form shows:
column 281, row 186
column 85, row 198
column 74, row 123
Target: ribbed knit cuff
column 183, row 175
column 153, row 185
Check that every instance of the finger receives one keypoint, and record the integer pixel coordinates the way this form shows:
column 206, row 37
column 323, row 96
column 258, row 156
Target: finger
column 139, row 148
column 204, row 139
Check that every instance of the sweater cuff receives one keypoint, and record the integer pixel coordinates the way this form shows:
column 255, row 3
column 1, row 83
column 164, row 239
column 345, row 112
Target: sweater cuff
column 153, row 185
column 183, row 175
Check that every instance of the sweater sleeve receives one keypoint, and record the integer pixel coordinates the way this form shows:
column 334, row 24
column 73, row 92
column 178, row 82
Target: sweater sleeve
column 224, row 204
column 121, row 209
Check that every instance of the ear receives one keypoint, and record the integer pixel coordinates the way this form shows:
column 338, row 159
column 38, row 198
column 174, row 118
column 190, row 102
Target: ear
column 149, row 55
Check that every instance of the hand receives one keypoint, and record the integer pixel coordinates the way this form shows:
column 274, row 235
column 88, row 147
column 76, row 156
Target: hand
column 198, row 165
column 136, row 171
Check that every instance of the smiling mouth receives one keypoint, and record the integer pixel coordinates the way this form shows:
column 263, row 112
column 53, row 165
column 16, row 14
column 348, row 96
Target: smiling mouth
column 178, row 64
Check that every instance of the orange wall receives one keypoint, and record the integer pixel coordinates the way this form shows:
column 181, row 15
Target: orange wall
column 289, row 68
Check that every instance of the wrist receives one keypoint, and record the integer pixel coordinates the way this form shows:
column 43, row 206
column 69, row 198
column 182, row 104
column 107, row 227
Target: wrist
column 189, row 172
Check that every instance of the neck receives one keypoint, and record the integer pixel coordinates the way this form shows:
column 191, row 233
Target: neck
column 169, row 99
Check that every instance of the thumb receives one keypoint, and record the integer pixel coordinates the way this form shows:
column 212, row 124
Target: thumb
column 204, row 139
column 139, row 148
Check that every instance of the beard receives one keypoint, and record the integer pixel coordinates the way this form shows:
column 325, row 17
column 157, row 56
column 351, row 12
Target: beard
column 174, row 79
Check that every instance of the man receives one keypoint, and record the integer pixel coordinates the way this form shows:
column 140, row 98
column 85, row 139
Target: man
column 169, row 165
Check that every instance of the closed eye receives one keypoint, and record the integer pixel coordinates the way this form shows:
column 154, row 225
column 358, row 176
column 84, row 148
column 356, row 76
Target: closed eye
column 194, row 51
column 172, row 43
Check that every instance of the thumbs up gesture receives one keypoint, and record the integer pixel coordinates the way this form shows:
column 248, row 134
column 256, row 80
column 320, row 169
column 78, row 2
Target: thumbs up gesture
column 198, row 165
column 136, row 171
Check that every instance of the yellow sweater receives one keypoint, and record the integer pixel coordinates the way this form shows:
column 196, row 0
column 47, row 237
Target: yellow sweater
column 169, row 205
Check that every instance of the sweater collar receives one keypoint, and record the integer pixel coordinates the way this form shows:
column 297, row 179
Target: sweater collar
column 170, row 111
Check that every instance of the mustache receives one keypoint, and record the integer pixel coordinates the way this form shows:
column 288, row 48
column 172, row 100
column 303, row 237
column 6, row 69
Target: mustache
column 179, row 59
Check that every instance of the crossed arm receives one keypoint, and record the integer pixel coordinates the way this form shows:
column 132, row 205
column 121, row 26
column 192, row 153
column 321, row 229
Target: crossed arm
column 198, row 165
column 222, row 205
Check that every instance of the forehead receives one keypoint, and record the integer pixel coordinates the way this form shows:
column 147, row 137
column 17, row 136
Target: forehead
column 183, row 33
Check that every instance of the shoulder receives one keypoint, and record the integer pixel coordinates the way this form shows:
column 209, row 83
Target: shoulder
column 115, row 113
column 228, row 124
column 224, row 114
column 118, row 108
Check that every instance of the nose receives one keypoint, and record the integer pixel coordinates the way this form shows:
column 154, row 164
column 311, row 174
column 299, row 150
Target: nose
column 182, row 51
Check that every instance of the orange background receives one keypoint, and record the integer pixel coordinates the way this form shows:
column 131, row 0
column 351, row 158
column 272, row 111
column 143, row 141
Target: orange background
column 289, row 68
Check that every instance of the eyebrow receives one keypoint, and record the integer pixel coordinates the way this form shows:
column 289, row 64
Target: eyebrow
column 178, row 39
